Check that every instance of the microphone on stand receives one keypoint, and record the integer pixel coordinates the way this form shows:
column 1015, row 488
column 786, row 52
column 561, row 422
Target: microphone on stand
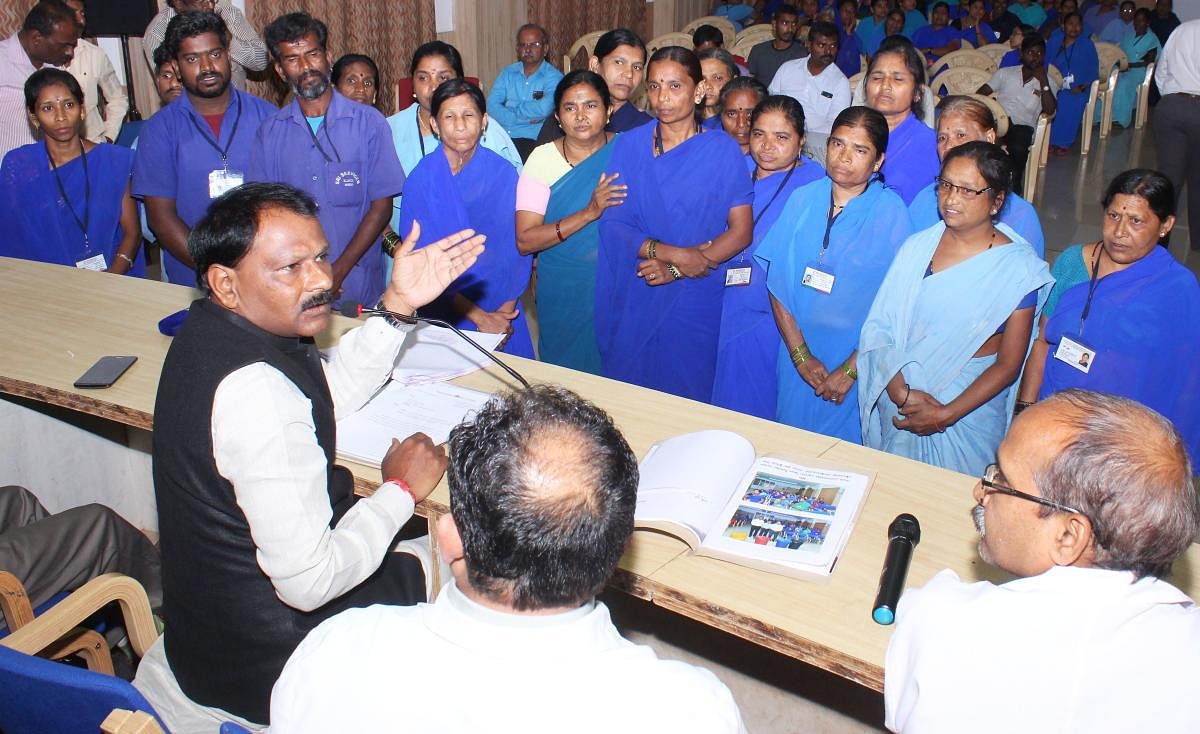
column 903, row 535
column 354, row 310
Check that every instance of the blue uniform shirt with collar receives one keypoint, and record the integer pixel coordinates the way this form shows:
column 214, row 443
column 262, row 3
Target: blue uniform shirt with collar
column 349, row 163
column 173, row 159
column 512, row 103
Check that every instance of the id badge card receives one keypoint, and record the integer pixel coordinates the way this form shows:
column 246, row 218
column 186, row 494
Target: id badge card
column 737, row 276
column 1068, row 81
column 1076, row 353
column 819, row 277
column 223, row 180
column 95, row 262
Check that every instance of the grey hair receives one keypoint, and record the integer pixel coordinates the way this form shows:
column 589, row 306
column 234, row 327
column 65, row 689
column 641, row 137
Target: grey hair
column 534, row 27
column 1127, row 469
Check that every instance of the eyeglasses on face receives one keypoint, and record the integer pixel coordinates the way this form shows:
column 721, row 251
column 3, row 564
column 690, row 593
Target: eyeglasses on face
column 991, row 483
column 534, row 45
column 946, row 187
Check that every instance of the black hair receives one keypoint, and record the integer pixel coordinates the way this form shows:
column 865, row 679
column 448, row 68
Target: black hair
column 581, row 76
column 48, row 77
column 724, row 57
column 45, row 15
column 685, row 57
column 542, row 491
column 1145, row 13
column 791, row 109
column 225, row 234
column 994, row 165
column 913, row 60
column 743, row 82
column 615, row 38
column 437, row 48
column 708, row 34
column 534, row 27
column 293, row 27
column 1068, row 16
column 940, row 4
column 454, row 87
column 190, row 25
column 1033, row 40
column 1027, row 29
column 868, row 119
column 826, row 29
column 339, row 66
column 1154, row 187
column 161, row 56
column 786, row 10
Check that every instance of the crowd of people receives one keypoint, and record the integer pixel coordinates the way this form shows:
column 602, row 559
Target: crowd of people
column 854, row 262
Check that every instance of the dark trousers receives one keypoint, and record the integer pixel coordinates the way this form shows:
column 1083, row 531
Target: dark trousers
column 525, row 146
column 1177, row 136
column 1017, row 141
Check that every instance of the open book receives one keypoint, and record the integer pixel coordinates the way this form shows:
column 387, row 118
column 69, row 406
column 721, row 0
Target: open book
column 710, row 490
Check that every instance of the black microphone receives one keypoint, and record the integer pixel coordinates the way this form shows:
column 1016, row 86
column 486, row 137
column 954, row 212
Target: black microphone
column 354, row 310
column 903, row 535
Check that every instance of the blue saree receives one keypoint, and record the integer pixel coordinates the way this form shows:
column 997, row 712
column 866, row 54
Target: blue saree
column 37, row 224
column 665, row 337
column 929, row 328
column 1078, row 59
column 1125, row 98
column 566, row 284
column 482, row 196
column 1144, row 324
column 745, row 379
column 1016, row 213
column 862, row 242
column 912, row 160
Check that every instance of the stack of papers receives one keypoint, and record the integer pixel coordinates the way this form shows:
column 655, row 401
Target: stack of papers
column 398, row 411
column 436, row 354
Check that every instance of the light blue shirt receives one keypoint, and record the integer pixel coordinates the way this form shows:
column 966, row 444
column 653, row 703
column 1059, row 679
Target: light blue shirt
column 512, row 102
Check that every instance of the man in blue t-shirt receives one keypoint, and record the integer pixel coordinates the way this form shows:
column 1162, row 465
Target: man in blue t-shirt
column 523, row 95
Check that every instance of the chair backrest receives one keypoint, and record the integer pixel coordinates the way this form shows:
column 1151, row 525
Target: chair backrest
column 583, row 47
column 1055, row 76
column 965, row 57
column 722, row 24
column 965, row 43
column 750, row 37
column 404, row 91
column 669, row 39
column 43, row 696
column 1110, row 55
column 1143, row 98
column 959, row 80
column 1041, row 136
column 995, row 52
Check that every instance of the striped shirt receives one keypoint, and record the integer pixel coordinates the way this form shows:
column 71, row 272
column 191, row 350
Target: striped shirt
column 15, row 68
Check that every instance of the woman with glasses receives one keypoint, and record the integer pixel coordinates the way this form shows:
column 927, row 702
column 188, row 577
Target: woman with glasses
column 962, row 120
column 825, row 258
column 463, row 185
column 948, row 333
column 895, row 85
column 688, row 209
column 749, row 341
column 1124, row 316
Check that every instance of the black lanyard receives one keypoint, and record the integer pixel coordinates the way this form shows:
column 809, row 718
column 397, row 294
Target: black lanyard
column 1069, row 56
column 223, row 152
column 829, row 220
column 775, row 195
column 658, row 143
column 420, row 137
column 87, row 194
column 325, row 129
column 1092, row 283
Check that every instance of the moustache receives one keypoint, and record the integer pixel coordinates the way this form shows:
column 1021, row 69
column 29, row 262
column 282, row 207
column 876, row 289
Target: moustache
column 320, row 299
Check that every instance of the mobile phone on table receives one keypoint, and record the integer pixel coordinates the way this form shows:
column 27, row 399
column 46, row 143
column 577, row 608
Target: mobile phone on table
column 105, row 372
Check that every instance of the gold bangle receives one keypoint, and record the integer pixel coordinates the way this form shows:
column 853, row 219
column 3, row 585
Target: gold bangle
column 391, row 241
column 674, row 271
column 651, row 249
column 800, row 354
column 850, row 371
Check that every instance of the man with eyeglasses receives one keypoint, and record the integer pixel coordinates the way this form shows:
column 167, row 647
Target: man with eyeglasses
column 1089, row 503
column 523, row 95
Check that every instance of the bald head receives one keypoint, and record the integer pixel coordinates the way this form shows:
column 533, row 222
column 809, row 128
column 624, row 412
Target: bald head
column 1122, row 465
column 542, row 491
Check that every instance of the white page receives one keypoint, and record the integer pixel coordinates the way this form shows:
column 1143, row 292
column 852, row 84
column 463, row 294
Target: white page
column 688, row 478
column 774, row 491
column 398, row 411
column 434, row 353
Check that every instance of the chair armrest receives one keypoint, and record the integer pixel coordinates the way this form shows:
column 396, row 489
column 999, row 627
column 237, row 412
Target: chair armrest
column 63, row 617
column 123, row 721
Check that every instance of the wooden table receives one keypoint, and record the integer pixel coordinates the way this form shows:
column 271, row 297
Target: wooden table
column 57, row 321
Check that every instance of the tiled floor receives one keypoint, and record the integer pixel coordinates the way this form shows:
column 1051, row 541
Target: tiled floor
column 777, row 694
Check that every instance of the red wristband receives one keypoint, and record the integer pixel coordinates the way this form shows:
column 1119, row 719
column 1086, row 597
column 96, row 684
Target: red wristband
column 403, row 485
column 558, row 231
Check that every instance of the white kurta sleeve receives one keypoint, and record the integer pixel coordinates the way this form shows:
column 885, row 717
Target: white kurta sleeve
column 362, row 363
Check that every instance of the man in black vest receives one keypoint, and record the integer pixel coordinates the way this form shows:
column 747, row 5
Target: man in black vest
column 262, row 535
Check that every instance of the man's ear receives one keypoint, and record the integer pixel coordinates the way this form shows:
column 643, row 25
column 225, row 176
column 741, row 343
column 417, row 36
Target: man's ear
column 1073, row 542
column 450, row 544
column 222, row 283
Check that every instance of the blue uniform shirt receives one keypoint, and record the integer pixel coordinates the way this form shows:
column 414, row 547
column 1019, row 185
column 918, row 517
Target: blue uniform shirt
column 346, row 165
column 512, row 102
column 176, row 152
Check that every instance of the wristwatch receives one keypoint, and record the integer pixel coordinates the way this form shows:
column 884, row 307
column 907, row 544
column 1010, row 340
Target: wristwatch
column 394, row 321
column 1045, row 87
